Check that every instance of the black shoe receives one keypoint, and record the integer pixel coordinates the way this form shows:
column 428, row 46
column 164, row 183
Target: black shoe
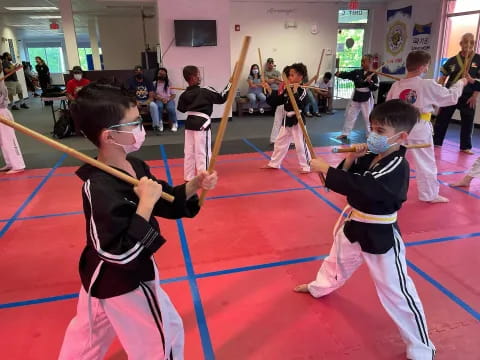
column 15, row 107
column 317, row 114
column 25, row 106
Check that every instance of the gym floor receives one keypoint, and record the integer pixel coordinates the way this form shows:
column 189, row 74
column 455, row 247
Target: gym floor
column 230, row 271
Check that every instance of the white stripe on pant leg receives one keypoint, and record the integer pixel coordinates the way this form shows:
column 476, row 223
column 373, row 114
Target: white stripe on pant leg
column 351, row 114
column 399, row 298
column 343, row 260
column 155, row 311
column 281, row 147
column 76, row 343
column 189, row 153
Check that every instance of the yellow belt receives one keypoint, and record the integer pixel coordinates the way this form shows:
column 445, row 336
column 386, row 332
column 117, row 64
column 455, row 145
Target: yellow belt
column 372, row 219
column 426, row 116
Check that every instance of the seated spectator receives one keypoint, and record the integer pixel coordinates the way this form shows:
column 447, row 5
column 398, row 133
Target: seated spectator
column 164, row 98
column 255, row 90
column 312, row 102
column 326, row 85
column 143, row 90
column 272, row 76
column 76, row 84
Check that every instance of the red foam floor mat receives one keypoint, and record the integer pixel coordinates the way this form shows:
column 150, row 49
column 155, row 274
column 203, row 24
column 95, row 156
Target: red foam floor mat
column 259, row 234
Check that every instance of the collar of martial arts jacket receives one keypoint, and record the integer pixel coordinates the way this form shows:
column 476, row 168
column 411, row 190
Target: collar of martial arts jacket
column 192, row 87
column 400, row 152
column 86, row 171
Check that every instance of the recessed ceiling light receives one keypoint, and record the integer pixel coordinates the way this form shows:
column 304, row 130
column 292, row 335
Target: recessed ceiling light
column 46, row 17
column 30, row 8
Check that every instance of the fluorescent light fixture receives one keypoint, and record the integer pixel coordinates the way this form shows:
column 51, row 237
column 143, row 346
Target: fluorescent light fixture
column 23, row 25
column 30, row 8
column 45, row 17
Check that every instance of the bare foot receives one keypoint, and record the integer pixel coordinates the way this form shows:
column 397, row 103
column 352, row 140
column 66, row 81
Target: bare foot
column 305, row 171
column 5, row 168
column 465, row 182
column 303, row 288
column 467, row 151
column 268, row 167
column 439, row 199
column 14, row 171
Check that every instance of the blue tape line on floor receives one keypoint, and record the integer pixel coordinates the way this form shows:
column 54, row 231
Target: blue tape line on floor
column 31, row 196
column 197, row 301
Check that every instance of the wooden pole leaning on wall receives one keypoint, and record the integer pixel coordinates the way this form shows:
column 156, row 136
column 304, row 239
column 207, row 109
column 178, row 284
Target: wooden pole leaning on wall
column 226, row 111
column 77, row 154
column 311, row 150
column 320, row 63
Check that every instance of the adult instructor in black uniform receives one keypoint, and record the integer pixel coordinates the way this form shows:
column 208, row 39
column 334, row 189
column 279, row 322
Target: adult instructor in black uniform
column 454, row 69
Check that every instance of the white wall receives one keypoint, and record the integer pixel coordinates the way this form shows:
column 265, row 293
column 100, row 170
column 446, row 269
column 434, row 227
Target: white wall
column 122, row 40
column 215, row 60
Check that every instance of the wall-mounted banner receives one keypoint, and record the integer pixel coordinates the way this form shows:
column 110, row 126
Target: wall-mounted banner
column 396, row 40
column 421, row 37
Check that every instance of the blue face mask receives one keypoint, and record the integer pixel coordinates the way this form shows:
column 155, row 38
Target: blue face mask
column 378, row 144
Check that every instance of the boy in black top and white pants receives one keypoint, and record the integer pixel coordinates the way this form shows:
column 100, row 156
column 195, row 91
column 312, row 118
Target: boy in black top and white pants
column 376, row 184
column 290, row 130
column 198, row 103
column 121, row 294
column 362, row 99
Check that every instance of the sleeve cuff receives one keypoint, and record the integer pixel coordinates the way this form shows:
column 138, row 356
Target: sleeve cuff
column 187, row 208
column 141, row 230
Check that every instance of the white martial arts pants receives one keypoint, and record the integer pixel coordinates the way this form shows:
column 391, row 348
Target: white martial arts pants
column 395, row 288
column 351, row 114
column 284, row 139
column 426, row 166
column 475, row 169
column 277, row 122
column 9, row 144
column 147, row 329
column 197, row 150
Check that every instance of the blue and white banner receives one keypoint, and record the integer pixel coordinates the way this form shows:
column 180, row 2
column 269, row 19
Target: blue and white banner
column 421, row 37
column 396, row 40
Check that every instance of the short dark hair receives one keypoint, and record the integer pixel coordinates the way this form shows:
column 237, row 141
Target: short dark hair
column 327, row 75
column 397, row 114
column 418, row 58
column 299, row 68
column 99, row 106
column 270, row 60
column 286, row 70
column 77, row 69
column 189, row 71
column 368, row 56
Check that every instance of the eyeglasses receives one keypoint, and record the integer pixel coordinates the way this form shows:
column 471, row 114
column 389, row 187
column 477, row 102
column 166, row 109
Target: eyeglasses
column 133, row 123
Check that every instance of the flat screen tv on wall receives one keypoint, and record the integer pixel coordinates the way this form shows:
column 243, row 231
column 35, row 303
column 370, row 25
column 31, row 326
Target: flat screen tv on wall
column 195, row 33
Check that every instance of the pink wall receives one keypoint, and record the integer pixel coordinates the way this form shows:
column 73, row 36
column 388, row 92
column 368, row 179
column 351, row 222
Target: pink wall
column 214, row 60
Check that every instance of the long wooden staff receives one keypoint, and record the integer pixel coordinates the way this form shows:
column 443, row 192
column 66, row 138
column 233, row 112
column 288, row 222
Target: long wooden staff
column 320, row 64
column 369, row 77
column 78, row 155
column 11, row 72
column 261, row 71
column 302, row 125
column 226, row 111
column 386, row 75
column 352, row 148
column 310, row 87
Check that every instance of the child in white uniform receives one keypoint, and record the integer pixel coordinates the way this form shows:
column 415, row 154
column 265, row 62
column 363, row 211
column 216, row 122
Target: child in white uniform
column 424, row 94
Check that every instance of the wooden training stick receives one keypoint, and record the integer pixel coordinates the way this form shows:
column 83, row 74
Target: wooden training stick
column 261, row 72
column 78, row 155
column 177, row 88
column 302, row 125
column 386, row 75
column 226, row 111
column 352, row 148
column 320, row 64
column 369, row 77
column 311, row 87
column 11, row 72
